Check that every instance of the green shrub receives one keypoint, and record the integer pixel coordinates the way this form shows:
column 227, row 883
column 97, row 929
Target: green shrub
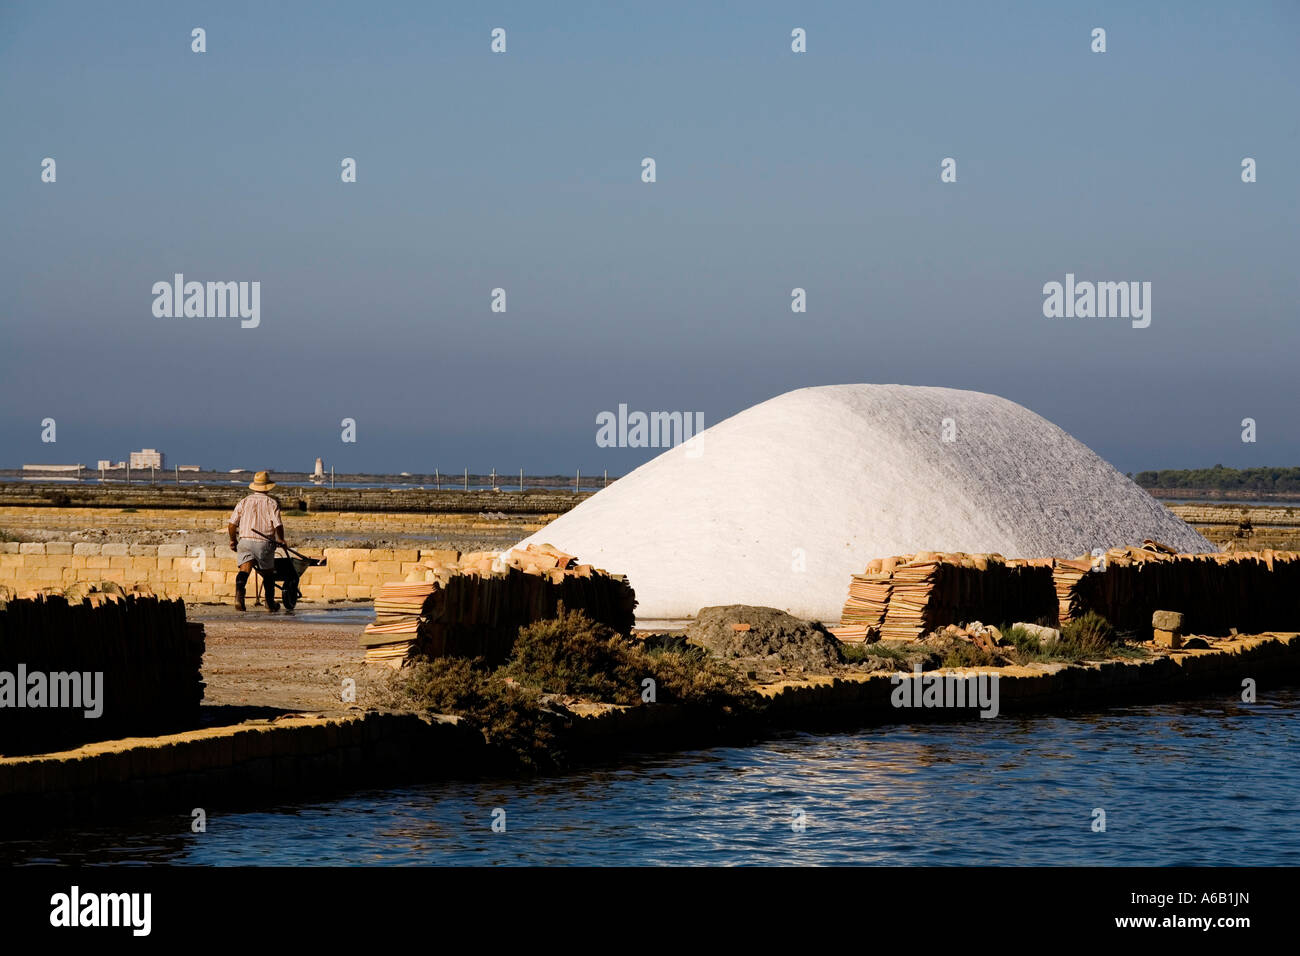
column 1089, row 637
column 694, row 677
column 964, row 654
column 1021, row 640
column 510, row 718
column 572, row 654
column 853, row 653
column 1090, row 634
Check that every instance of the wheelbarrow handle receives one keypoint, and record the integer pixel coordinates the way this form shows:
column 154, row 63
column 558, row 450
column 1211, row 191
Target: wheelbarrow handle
column 281, row 544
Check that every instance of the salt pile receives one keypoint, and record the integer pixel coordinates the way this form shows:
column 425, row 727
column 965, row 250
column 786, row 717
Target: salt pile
column 781, row 504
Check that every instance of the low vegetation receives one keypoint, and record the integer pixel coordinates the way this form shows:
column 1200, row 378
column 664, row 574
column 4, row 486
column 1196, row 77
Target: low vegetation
column 971, row 655
column 510, row 717
column 515, row 705
column 1089, row 637
column 1219, row 478
column 856, row 653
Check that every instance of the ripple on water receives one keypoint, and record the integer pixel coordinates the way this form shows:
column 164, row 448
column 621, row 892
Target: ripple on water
column 1199, row 783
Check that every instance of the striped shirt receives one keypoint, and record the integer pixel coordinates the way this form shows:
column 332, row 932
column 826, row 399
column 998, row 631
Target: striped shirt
column 257, row 512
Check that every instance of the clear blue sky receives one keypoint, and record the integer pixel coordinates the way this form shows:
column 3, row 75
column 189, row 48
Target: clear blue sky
column 522, row 171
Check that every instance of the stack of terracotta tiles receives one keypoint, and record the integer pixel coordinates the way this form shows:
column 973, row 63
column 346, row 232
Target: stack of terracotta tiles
column 1251, row 591
column 148, row 657
column 473, row 605
column 904, row 598
column 390, row 639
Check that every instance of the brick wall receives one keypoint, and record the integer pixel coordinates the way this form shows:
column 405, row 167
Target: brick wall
column 351, row 574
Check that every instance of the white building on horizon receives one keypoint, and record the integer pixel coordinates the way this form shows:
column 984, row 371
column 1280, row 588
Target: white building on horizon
column 147, row 458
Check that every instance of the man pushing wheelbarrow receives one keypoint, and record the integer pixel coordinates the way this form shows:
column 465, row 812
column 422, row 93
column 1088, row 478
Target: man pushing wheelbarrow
column 256, row 530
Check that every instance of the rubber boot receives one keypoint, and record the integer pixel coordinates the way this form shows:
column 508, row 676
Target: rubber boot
column 241, row 584
column 268, row 590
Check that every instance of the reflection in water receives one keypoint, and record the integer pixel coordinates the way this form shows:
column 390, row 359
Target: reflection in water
column 1208, row 782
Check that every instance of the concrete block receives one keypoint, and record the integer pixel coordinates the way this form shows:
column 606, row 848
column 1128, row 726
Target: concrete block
column 359, row 592
column 97, row 563
column 115, row 550
column 8, row 547
column 171, row 550
column 58, row 547
column 143, row 550
column 31, row 547
column 1167, row 638
column 1167, row 620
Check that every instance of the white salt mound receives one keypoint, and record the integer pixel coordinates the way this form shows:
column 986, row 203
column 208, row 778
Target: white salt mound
column 780, row 504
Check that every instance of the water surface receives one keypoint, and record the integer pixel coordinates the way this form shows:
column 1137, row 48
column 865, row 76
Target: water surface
column 1210, row 782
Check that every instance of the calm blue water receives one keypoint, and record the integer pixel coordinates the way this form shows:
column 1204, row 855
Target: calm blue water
column 1209, row 782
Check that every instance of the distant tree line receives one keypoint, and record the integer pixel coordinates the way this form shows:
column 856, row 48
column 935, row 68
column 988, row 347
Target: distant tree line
column 1219, row 478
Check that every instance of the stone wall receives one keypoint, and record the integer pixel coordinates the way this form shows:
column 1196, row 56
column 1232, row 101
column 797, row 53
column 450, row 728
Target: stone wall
column 351, row 574
column 408, row 500
column 314, row 523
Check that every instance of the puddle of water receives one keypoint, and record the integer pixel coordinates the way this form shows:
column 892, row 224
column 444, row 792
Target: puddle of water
column 348, row 614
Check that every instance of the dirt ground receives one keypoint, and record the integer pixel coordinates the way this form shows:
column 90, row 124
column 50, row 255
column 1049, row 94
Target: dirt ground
column 257, row 662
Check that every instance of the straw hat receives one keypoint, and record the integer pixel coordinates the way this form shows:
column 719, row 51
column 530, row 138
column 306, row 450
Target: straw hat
column 262, row 481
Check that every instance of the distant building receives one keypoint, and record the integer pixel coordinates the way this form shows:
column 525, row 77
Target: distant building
column 320, row 469
column 146, row 458
column 53, row 467
column 188, row 468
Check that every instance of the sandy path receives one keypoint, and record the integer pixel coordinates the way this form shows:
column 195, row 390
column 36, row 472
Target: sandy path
column 257, row 660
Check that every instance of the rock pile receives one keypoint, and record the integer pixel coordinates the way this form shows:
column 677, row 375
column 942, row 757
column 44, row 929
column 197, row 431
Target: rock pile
column 764, row 633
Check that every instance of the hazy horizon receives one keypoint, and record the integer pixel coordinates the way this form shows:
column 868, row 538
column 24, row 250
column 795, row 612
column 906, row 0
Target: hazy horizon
column 522, row 170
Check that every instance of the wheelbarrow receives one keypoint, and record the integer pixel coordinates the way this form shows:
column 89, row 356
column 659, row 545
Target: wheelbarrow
column 287, row 571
